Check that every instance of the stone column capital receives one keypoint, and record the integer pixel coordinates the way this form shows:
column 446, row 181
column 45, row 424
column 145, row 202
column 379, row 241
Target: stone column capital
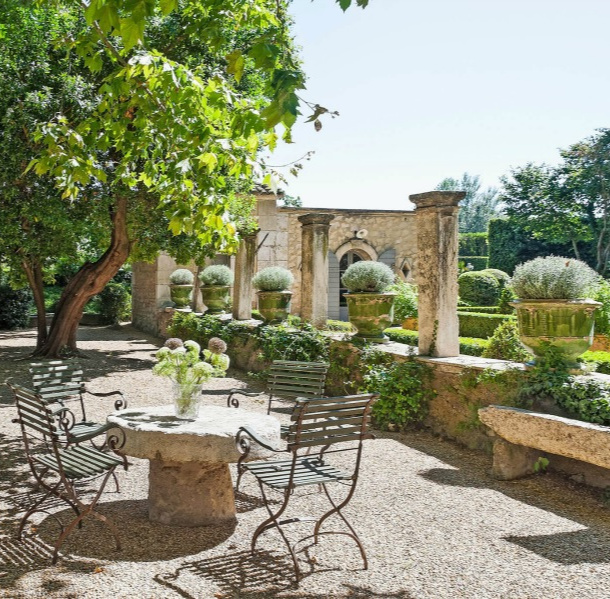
column 316, row 218
column 437, row 199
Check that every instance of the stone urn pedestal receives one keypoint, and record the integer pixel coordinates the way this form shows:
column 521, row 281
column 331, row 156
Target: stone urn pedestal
column 371, row 314
column 181, row 295
column 566, row 324
column 274, row 306
column 216, row 298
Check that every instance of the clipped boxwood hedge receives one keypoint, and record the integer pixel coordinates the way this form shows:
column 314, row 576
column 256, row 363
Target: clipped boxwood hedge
column 601, row 359
column 480, row 309
column 473, row 324
column 468, row 346
column 473, row 244
column 478, row 262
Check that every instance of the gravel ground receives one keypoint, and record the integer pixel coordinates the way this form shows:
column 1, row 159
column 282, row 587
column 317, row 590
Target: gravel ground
column 434, row 524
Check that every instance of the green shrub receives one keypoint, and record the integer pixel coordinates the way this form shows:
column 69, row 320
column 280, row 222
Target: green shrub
column 602, row 314
column 15, row 307
column 480, row 325
column 477, row 263
column 479, row 289
column 339, row 325
column 468, row 346
column 405, row 302
column 181, row 276
column 503, row 277
column 273, row 278
column 115, row 303
column 504, row 344
column 554, row 277
column 480, row 309
column 473, row 244
column 367, row 276
column 507, row 295
column 217, row 274
column 599, row 359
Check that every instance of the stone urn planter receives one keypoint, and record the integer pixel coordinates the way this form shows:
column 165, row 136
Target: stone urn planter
column 181, row 286
column 551, row 308
column 216, row 288
column 566, row 324
column 274, row 297
column 274, row 306
column 370, row 306
column 371, row 314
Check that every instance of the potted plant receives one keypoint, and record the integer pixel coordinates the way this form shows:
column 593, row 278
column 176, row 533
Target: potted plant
column 405, row 305
column 215, row 288
column 180, row 362
column 274, row 297
column 370, row 306
column 180, row 287
column 552, row 307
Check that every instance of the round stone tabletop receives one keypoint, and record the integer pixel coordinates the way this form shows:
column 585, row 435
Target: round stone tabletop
column 156, row 433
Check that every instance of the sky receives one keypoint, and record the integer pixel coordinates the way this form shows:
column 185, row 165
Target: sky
column 428, row 89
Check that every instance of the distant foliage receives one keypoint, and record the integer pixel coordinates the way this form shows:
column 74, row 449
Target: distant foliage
column 15, row 306
column 479, row 288
column 273, row 278
column 467, row 263
column 115, row 304
column 217, row 274
column 473, row 244
column 368, row 276
column 405, row 303
column 602, row 314
column 480, row 325
column 554, row 277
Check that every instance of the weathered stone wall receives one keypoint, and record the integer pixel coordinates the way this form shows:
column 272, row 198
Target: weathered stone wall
column 387, row 229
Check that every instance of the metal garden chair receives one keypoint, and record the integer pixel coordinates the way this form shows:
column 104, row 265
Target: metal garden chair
column 57, row 463
column 318, row 424
column 61, row 381
column 289, row 380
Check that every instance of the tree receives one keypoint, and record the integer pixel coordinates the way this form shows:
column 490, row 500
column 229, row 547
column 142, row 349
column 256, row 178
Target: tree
column 172, row 131
column 477, row 207
column 567, row 203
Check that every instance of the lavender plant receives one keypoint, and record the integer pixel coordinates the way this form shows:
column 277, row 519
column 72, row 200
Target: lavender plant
column 368, row 277
column 273, row 278
column 217, row 274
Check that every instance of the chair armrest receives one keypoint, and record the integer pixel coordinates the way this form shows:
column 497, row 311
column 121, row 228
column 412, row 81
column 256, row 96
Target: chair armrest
column 119, row 404
column 234, row 403
column 243, row 442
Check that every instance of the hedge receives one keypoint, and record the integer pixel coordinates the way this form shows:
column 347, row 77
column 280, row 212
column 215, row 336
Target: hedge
column 600, row 359
column 479, row 288
column 468, row 346
column 477, row 262
column 480, row 309
column 15, row 306
column 479, row 325
column 473, row 244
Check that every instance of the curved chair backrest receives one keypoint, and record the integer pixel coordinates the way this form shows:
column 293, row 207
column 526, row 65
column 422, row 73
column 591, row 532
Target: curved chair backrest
column 57, row 380
column 297, row 379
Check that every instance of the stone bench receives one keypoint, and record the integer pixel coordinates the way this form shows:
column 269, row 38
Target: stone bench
column 525, row 436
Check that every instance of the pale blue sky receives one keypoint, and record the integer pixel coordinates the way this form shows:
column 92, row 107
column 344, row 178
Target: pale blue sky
column 428, row 89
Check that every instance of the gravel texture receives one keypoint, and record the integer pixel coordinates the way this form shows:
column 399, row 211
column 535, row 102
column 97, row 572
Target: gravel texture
column 433, row 522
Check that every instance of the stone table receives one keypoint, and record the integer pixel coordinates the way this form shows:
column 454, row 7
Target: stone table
column 189, row 479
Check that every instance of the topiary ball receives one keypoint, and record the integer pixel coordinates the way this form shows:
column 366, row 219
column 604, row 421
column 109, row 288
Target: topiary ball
column 273, row 278
column 503, row 277
column 367, row 276
column 181, row 276
column 217, row 274
column 479, row 288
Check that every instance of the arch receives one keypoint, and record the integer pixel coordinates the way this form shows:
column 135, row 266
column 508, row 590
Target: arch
column 365, row 250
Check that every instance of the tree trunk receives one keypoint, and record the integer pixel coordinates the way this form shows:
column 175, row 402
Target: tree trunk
column 88, row 281
column 33, row 272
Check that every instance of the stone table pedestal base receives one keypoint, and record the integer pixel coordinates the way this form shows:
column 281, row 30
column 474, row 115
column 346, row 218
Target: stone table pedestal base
column 190, row 493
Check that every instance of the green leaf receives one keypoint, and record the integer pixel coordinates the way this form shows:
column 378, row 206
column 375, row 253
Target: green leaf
column 132, row 32
column 236, row 65
column 168, row 6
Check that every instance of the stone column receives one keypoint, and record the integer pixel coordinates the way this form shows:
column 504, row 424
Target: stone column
column 244, row 271
column 314, row 267
column 436, row 218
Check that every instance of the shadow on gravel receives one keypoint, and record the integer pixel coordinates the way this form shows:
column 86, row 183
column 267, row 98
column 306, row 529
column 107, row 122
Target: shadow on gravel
column 546, row 492
column 263, row 575
column 142, row 540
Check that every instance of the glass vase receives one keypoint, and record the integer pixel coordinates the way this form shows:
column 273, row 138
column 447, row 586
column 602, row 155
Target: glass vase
column 187, row 397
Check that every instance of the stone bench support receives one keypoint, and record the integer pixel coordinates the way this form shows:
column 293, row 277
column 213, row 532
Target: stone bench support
column 524, row 436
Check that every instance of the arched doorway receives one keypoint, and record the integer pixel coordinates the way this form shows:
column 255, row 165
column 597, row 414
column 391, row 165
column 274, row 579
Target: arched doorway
column 337, row 305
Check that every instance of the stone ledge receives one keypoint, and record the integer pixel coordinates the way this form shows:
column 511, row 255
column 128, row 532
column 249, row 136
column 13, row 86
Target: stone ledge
column 523, row 430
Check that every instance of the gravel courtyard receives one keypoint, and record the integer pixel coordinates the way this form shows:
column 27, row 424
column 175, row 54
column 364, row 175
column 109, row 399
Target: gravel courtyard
column 433, row 522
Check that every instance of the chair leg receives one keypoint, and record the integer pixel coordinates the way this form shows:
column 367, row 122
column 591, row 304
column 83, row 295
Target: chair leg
column 273, row 521
column 34, row 508
column 336, row 509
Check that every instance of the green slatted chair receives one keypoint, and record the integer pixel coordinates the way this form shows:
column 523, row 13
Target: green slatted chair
column 289, row 380
column 57, row 464
column 61, row 381
column 327, row 426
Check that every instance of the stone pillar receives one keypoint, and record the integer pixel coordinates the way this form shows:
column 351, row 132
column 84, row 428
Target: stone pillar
column 244, row 271
column 436, row 218
column 314, row 267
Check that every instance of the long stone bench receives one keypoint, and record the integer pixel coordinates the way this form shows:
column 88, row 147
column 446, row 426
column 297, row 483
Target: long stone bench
column 525, row 436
